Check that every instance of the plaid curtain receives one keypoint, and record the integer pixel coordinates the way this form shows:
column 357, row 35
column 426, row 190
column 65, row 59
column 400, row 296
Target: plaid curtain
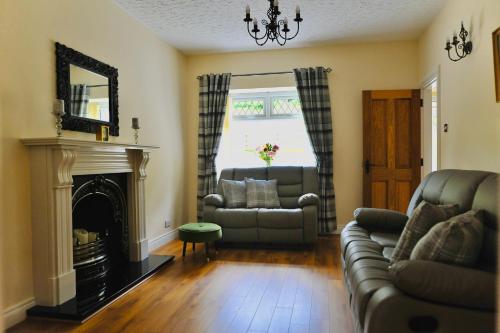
column 79, row 100
column 214, row 89
column 312, row 86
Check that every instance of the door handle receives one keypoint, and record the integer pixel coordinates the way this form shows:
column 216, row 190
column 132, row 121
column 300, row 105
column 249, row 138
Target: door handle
column 368, row 166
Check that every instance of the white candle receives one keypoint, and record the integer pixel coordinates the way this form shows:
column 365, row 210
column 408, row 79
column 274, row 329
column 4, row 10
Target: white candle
column 255, row 21
column 276, row 3
column 247, row 9
column 297, row 10
column 59, row 107
column 286, row 21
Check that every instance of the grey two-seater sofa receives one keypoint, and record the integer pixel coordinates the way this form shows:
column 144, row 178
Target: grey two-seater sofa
column 294, row 223
column 431, row 296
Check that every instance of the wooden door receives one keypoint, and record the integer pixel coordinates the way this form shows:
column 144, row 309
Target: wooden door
column 391, row 147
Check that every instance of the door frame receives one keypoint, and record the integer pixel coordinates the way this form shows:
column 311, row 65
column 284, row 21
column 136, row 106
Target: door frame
column 434, row 76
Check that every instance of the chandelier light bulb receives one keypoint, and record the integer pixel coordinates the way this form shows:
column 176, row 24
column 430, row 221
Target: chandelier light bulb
column 297, row 10
column 255, row 21
column 247, row 9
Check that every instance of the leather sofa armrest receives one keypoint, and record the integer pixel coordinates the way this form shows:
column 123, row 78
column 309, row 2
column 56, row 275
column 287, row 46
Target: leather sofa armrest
column 216, row 200
column 385, row 219
column 443, row 283
column 308, row 199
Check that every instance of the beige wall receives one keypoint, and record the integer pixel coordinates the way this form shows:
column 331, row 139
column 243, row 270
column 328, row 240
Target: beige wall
column 467, row 87
column 355, row 68
column 150, row 81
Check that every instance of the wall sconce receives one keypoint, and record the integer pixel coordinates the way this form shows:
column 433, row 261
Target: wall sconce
column 462, row 48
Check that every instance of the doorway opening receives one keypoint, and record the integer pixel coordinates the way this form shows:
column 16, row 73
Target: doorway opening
column 430, row 126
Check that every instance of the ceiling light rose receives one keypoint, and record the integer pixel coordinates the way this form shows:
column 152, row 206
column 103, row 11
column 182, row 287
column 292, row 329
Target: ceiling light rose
column 276, row 29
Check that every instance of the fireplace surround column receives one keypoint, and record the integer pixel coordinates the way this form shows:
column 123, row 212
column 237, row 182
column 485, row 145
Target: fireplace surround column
column 54, row 162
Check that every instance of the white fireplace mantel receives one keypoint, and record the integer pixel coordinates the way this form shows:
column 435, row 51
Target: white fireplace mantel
column 54, row 162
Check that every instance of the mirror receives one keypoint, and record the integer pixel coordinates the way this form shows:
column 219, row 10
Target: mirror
column 89, row 89
column 89, row 94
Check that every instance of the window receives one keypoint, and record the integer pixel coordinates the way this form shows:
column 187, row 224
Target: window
column 258, row 116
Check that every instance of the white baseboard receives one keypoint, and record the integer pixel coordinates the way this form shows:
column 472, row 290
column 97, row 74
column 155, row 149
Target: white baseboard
column 161, row 240
column 17, row 313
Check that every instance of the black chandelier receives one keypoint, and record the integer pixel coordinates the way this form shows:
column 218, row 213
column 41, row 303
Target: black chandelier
column 273, row 32
column 462, row 48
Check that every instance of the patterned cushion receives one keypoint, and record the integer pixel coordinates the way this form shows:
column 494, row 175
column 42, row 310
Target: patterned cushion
column 262, row 193
column 235, row 193
column 455, row 241
column 424, row 217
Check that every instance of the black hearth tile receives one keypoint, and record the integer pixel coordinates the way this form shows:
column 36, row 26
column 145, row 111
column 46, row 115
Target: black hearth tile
column 122, row 279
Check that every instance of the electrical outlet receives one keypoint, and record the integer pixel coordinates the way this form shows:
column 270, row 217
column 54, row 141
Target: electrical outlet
column 167, row 224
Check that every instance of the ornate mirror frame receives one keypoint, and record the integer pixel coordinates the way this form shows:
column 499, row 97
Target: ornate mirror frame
column 66, row 56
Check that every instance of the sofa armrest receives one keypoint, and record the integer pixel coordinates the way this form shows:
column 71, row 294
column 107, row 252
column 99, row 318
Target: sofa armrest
column 216, row 200
column 385, row 219
column 308, row 199
column 443, row 283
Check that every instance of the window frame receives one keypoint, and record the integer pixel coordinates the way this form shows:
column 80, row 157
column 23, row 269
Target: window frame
column 268, row 98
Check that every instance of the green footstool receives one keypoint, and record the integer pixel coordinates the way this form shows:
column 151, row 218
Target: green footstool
column 199, row 233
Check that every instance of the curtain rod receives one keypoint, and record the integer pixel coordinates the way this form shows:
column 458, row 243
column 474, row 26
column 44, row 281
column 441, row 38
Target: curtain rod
column 328, row 70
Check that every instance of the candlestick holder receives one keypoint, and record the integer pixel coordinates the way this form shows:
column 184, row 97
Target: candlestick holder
column 136, row 136
column 58, row 112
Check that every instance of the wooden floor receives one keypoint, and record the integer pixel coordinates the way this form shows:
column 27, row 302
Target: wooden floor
column 243, row 290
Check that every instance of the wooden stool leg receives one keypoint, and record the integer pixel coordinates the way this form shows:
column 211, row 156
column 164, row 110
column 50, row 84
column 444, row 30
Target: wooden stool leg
column 184, row 249
column 206, row 251
column 194, row 247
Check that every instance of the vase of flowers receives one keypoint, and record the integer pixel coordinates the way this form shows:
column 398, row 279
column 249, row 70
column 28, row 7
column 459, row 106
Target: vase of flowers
column 267, row 152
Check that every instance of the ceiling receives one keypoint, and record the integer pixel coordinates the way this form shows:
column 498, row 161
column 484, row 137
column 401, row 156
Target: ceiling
column 199, row 26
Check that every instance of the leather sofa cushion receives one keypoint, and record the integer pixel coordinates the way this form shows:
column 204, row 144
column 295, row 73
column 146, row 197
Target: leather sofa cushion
column 385, row 238
column 444, row 283
column 236, row 218
column 289, row 202
column 280, row 218
column 254, row 173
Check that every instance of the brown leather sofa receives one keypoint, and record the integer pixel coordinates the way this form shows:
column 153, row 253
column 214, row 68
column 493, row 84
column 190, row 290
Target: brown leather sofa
column 435, row 297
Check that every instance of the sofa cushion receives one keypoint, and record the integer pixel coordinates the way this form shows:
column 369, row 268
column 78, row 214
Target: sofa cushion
column 385, row 238
column 448, row 284
column 236, row 217
column 280, row 218
column 455, row 241
column 262, row 193
column 235, row 193
column 289, row 184
column 423, row 218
